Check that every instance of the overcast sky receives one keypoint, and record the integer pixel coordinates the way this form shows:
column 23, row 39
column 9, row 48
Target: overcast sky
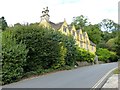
column 23, row 11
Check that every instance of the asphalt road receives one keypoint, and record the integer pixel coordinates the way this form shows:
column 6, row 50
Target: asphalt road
column 84, row 77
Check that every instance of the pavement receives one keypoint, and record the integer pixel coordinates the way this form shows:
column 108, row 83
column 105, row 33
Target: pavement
column 84, row 77
column 112, row 82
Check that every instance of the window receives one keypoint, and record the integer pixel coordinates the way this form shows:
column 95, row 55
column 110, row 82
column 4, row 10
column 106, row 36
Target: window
column 73, row 33
column 64, row 29
column 80, row 36
column 81, row 44
column 87, row 46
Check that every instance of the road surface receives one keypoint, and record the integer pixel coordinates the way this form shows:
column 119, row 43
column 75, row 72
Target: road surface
column 83, row 77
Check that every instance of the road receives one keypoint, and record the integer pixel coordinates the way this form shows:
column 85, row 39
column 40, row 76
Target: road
column 83, row 77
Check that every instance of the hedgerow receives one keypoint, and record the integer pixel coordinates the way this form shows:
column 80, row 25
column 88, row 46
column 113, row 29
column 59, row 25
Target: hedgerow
column 14, row 56
column 30, row 49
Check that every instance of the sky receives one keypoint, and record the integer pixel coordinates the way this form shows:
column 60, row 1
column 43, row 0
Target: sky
column 23, row 11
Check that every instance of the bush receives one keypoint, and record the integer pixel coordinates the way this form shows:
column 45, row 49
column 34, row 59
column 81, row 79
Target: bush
column 45, row 50
column 106, row 55
column 71, row 49
column 35, row 50
column 14, row 57
column 113, row 57
column 83, row 55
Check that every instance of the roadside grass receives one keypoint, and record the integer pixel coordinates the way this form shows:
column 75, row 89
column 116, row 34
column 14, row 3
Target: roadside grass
column 116, row 71
column 0, row 76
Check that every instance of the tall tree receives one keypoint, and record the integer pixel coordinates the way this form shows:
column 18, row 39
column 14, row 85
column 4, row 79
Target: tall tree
column 80, row 22
column 118, row 44
column 94, row 33
column 3, row 23
column 108, row 25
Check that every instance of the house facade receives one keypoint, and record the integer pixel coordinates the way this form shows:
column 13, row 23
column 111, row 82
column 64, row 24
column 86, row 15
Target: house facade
column 81, row 38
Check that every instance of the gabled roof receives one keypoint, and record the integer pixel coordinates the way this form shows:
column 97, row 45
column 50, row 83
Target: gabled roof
column 91, row 43
column 84, row 34
column 56, row 26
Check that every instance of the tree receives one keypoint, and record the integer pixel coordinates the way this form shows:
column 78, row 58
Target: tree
column 106, row 36
column 17, row 24
column 111, row 44
column 108, row 25
column 94, row 33
column 80, row 22
column 118, row 44
column 3, row 23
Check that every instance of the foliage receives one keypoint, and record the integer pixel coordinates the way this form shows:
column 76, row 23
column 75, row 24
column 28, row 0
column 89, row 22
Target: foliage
column 105, row 55
column 116, row 71
column 83, row 55
column 108, row 25
column 108, row 35
column 3, row 23
column 94, row 33
column 44, row 51
column 111, row 44
column 14, row 56
column 71, row 49
column 80, row 22
column 118, row 45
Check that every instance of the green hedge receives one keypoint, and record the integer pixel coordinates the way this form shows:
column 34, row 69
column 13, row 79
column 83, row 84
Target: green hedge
column 34, row 50
column 83, row 55
column 106, row 55
column 14, row 57
column 44, row 51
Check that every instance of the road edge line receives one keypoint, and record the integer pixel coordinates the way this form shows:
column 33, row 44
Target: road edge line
column 101, row 80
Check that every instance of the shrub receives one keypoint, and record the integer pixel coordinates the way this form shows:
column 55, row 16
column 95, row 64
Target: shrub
column 14, row 57
column 83, row 55
column 105, row 55
column 71, row 49
column 113, row 57
column 45, row 50
column 69, row 43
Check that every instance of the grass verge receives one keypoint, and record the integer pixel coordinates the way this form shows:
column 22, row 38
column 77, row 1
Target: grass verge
column 116, row 71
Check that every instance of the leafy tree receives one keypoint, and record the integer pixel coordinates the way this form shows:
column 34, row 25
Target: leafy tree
column 3, row 23
column 94, row 33
column 80, row 22
column 108, row 25
column 107, row 35
column 105, row 55
column 118, row 44
column 111, row 44
column 17, row 24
